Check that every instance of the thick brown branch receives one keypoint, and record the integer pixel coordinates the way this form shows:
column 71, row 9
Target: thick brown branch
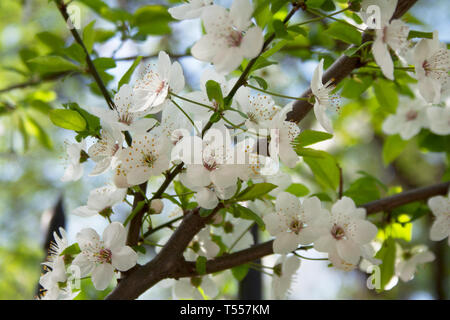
column 340, row 69
column 241, row 257
column 170, row 264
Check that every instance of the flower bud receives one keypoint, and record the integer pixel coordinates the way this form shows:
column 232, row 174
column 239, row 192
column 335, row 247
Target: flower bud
column 157, row 206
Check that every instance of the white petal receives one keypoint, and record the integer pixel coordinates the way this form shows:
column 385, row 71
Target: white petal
column 207, row 199
column 382, row 56
column 124, row 259
column 252, row 42
column 102, row 275
column 285, row 242
column 114, row 236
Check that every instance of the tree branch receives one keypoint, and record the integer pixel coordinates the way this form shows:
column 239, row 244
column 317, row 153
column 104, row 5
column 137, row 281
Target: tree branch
column 169, row 263
column 340, row 69
column 62, row 7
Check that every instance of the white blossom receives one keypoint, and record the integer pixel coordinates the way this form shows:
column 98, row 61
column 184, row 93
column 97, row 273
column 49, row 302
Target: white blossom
column 388, row 34
column 323, row 97
column 440, row 207
column 345, row 232
column 123, row 117
column 104, row 151
column 408, row 121
column 439, row 120
column 188, row 288
column 431, row 60
column 151, row 92
column 74, row 170
column 191, row 9
column 101, row 200
column 293, row 223
column 284, row 271
column 410, row 259
column 100, row 257
column 148, row 156
column 229, row 36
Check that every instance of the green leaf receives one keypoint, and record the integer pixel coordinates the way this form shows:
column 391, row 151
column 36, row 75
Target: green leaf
column 392, row 148
column 308, row 152
column 328, row 5
column 152, row 20
column 47, row 64
column 200, row 265
column 51, row 40
column 355, row 86
column 104, row 63
column 386, row 94
column 308, row 137
column 276, row 5
column 89, row 36
column 354, row 49
column 387, row 254
column 261, row 82
column 363, row 190
column 127, row 76
column 262, row 62
column 247, row 214
column 68, row 119
column 239, row 272
column 71, row 250
column 214, row 92
column 76, row 52
column 419, row 34
column 33, row 128
column 314, row 3
column 254, row 191
column 280, row 29
column 344, row 32
column 325, row 170
column 298, row 190
column 93, row 122
column 299, row 30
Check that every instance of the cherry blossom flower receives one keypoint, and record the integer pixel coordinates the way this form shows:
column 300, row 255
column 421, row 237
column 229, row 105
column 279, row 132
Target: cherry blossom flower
column 150, row 93
column 440, row 207
column 345, row 231
column 408, row 121
column 104, row 151
column 235, row 233
column 55, row 266
column 101, row 200
column 284, row 271
column 439, row 120
column 293, row 223
column 323, row 97
column 229, row 36
column 407, row 266
column 148, row 156
column 211, row 173
column 124, row 118
column 190, row 10
column 57, row 292
column 188, row 288
column 101, row 257
column 202, row 245
column 390, row 34
column 260, row 110
column 431, row 60
column 76, row 156
column 282, row 137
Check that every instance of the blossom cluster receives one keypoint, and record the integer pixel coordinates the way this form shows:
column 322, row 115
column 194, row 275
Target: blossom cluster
column 193, row 135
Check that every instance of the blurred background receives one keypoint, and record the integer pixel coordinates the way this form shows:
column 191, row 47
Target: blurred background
column 32, row 149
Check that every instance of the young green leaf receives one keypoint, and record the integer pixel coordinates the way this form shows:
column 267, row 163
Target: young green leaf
column 127, row 76
column 254, row 191
column 68, row 119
